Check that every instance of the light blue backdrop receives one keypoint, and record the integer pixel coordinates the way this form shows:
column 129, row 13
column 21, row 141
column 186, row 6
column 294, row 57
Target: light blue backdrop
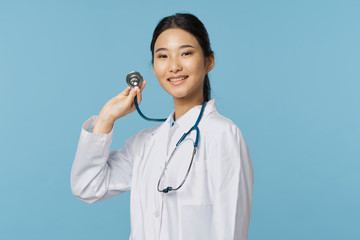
column 287, row 73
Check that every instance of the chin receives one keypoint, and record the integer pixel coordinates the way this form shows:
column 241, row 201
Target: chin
column 178, row 95
column 182, row 95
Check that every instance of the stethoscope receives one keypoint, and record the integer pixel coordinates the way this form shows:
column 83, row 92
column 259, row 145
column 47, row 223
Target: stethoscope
column 134, row 79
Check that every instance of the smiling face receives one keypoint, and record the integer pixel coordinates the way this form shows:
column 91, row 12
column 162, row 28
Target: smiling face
column 179, row 64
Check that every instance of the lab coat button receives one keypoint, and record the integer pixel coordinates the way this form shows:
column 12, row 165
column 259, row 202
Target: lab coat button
column 156, row 213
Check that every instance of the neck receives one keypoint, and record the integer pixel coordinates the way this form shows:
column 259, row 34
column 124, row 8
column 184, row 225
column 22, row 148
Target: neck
column 183, row 106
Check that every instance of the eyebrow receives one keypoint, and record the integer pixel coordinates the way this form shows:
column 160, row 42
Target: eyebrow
column 165, row 49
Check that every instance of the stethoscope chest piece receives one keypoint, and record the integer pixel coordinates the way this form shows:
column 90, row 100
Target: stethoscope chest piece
column 134, row 79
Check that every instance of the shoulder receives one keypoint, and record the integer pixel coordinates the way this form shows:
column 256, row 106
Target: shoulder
column 216, row 125
column 224, row 140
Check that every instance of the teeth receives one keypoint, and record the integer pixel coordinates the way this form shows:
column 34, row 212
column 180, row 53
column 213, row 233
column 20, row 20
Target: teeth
column 177, row 79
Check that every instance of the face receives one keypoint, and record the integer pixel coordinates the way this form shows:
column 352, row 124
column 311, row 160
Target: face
column 179, row 64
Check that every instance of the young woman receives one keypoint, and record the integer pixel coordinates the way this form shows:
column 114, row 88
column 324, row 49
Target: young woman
column 201, row 190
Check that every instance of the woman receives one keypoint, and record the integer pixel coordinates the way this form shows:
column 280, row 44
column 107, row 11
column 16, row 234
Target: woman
column 201, row 194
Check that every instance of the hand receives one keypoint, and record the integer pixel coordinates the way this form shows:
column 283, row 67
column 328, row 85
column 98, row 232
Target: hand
column 117, row 107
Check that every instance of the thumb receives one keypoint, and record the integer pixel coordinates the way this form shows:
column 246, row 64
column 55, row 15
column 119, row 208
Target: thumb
column 132, row 94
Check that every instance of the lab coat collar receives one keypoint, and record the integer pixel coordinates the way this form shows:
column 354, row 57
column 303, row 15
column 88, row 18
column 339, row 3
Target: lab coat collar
column 189, row 118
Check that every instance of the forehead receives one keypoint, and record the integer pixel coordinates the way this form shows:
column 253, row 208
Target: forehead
column 174, row 38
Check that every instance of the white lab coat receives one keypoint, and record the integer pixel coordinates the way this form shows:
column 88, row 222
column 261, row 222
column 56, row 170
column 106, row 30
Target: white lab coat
column 213, row 204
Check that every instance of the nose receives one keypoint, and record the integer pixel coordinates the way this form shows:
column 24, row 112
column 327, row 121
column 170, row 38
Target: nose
column 175, row 65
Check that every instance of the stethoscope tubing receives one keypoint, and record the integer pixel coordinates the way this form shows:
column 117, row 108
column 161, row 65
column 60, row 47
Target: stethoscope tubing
column 195, row 127
column 143, row 116
column 166, row 190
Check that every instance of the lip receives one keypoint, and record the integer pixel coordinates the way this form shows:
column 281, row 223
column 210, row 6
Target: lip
column 178, row 82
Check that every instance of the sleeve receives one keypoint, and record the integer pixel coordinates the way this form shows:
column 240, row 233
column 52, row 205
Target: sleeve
column 96, row 173
column 233, row 186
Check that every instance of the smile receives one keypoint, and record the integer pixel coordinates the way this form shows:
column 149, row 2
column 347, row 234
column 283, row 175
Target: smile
column 177, row 79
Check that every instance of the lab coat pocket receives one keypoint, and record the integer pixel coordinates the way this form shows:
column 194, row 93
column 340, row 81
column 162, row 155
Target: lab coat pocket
column 196, row 221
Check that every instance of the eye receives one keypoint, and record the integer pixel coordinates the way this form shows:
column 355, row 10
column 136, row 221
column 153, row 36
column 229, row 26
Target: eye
column 162, row 56
column 186, row 53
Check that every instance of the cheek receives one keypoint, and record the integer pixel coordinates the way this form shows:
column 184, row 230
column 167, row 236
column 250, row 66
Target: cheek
column 158, row 69
column 197, row 66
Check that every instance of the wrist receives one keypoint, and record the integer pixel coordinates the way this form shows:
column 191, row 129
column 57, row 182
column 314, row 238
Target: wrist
column 103, row 126
column 105, row 120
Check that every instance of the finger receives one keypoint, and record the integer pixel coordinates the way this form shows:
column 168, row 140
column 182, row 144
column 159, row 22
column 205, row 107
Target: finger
column 133, row 93
column 130, row 98
column 125, row 92
column 139, row 96
column 143, row 85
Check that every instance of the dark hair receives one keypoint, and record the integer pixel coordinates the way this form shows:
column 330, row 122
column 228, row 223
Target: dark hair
column 193, row 25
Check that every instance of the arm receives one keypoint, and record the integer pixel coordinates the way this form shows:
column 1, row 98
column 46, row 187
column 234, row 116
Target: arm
column 233, row 185
column 98, row 174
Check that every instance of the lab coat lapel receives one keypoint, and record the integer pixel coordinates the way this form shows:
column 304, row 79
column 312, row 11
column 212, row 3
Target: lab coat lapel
column 155, row 159
column 183, row 125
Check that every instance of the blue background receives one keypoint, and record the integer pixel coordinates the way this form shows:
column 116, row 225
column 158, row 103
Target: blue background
column 287, row 73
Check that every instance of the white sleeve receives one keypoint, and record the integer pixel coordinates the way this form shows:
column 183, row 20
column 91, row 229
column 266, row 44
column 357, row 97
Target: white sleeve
column 98, row 174
column 233, row 186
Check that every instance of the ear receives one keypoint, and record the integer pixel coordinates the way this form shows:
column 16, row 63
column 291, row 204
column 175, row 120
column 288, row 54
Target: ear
column 210, row 63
